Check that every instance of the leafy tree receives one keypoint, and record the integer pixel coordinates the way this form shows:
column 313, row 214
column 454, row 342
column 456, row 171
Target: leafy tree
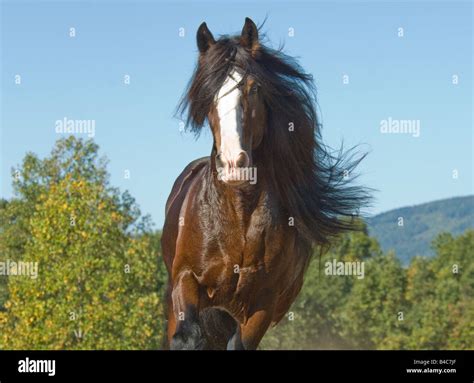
column 101, row 279
column 428, row 305
column 314, row 321
column 97, row 284
column 441, row 293
column 375, row 312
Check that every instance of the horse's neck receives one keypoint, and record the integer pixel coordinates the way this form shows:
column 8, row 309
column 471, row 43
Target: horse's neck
column 241, row 201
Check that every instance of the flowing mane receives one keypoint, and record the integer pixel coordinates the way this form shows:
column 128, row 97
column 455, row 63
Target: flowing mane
column 312, row 183
column 236, row 251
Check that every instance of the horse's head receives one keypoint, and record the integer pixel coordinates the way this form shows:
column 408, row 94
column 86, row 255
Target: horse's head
column 261, row 107
column 225, row 91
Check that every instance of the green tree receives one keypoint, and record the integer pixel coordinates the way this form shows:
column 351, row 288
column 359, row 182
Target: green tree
column 428, row 305
column 98, row 283
column 314, row 321
column 374, row 316
column 441, row 293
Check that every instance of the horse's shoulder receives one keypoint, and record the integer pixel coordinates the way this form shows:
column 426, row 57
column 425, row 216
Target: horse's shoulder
column 185, row 179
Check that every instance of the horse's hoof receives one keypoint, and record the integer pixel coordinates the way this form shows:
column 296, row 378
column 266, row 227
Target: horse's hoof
column 189, row 337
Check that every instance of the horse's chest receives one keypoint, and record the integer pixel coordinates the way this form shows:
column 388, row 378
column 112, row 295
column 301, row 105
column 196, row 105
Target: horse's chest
column 246, row 261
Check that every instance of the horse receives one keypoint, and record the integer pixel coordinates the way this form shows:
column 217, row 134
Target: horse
column 241, row 224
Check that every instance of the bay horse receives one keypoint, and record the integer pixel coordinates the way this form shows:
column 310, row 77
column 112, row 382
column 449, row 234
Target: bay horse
column 241, row 224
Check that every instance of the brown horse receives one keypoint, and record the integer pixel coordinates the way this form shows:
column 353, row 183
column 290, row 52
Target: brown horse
column 240, row 224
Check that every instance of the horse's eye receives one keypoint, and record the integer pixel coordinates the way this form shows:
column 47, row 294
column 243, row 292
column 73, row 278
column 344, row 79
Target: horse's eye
column 254, row 89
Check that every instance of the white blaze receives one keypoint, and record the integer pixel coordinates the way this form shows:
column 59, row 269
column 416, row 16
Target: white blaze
column 230, row 117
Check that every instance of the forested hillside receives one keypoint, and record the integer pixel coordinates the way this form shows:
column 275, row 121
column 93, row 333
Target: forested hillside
column 410, row 230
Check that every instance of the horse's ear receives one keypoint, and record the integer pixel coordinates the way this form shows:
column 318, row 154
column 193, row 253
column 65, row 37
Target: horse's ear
column 249, row 37
column 204, row 38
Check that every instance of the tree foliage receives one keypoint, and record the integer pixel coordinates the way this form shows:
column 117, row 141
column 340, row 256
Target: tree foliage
column 428, row 305
column 97, row 285
column 101, row 279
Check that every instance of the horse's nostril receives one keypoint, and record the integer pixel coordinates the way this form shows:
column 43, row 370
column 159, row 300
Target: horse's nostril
column 242, row 160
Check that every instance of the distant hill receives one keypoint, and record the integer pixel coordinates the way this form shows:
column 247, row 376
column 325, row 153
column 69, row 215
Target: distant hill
column 421, row 223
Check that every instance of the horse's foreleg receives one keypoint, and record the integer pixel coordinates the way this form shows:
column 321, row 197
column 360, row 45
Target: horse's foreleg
column 185, row 297
column 253, row 331
column 258, row 322
column 171, row 325
column 235, row 342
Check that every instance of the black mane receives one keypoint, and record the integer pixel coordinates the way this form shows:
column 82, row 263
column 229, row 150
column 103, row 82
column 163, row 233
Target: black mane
column 312, row 183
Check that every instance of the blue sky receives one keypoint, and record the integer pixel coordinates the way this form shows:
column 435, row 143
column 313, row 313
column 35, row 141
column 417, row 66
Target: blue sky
column 403, row 78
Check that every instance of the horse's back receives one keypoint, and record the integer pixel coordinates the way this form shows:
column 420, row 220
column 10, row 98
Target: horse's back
column 173, row 207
